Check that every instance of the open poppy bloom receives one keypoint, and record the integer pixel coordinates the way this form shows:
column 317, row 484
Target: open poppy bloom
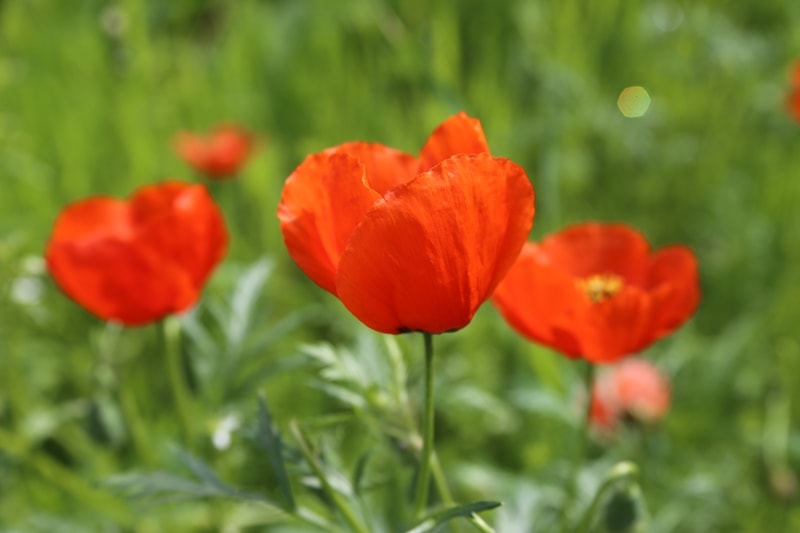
column 139, row 260
column 407, row 243
column 219, row 155
column 596, row 291
column 634, row 388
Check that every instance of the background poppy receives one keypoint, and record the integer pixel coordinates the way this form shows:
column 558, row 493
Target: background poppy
column 137, row 261
column 408, row 244
column 597, row 291
column 793, row 95
column 219, row 155
column 635, row 388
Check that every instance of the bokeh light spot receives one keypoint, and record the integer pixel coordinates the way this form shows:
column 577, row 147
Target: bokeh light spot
column 633, row 101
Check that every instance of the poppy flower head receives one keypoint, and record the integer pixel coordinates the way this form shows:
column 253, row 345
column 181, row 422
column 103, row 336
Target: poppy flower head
column 137, row 261
column 219, row 155
column 634, row 388
column 598, row 292
column 793, row 96
column 408, row 250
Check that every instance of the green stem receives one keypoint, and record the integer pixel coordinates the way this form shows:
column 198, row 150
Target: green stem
column 440, row 481
column 447, row 497
column 423, row 475
column 580, row 451
column 177, row 377
column 347, row 513
column 126, row 395
column 620, row 471
column 139, row 434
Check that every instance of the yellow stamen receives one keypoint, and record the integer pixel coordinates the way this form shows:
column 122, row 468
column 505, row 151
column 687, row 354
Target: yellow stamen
column 600, row 287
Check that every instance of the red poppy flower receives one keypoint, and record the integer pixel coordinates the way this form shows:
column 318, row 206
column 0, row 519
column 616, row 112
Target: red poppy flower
column 139, row 260
column 408, row 244
column 634, row 388
column 793, row 96
column 219, row 155
column 596, row 291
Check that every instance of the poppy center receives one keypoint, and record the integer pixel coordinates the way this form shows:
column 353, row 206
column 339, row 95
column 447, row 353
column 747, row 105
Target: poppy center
column 600, row 287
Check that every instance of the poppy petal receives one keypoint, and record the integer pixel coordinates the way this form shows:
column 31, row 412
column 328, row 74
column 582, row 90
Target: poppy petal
column 793, row 103
column 614, row 328
column 583, row 250
column 219, row 155
column 673, row 277
column 181, row 224
column 431, row 251
column 642, row 389
column 549, row 296
column 459, row 134
column 192, row 149
column 322, row 202
column 228, row 149
column 120, row 282
column 95, row 217
column 385, row 167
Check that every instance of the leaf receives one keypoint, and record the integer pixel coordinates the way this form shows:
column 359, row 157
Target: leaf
column 270, row 440
column 358, row 473
column 160, row 487
column 245, row 294
column 248, row 377
column 433, row 521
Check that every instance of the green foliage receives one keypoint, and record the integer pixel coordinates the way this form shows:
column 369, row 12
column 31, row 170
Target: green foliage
column 91, row 94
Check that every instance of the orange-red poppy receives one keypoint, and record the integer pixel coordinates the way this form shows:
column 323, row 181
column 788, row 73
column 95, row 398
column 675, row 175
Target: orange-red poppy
column 634, row 388
column 407, row 243
column 793, row 96
column 598, row 292
column 137, row 261
column 219, row 155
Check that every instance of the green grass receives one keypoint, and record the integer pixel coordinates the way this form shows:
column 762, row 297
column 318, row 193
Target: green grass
column 712, row 164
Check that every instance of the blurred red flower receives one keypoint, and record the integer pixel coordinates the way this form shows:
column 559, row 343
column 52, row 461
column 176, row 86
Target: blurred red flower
column 597, row 292
column 137, row 261
column 634, row 388
column 219, row 155
column 406, row 243
column 793, row 96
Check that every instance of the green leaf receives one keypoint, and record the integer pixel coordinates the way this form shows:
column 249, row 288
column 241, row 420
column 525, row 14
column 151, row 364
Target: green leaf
column 159, row 487
column 245, row 294
column 270, row 440
column 433, row 521
column 358, row 473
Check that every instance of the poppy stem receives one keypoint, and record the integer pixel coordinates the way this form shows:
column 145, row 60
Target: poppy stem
column 423, row 475
column 177, row 375
column 125, row 392
column 338, row 501
column 580, row 450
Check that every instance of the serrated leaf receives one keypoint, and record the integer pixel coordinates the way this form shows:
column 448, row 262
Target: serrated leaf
column 161, row 487
column 249, row 377
column 200, row 470
column 343, row 394
column 270, row 440
column 258, row 342
column 245, row 293
column 435, row 520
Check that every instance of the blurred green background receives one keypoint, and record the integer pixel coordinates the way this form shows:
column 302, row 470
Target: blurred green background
column 92, row 93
